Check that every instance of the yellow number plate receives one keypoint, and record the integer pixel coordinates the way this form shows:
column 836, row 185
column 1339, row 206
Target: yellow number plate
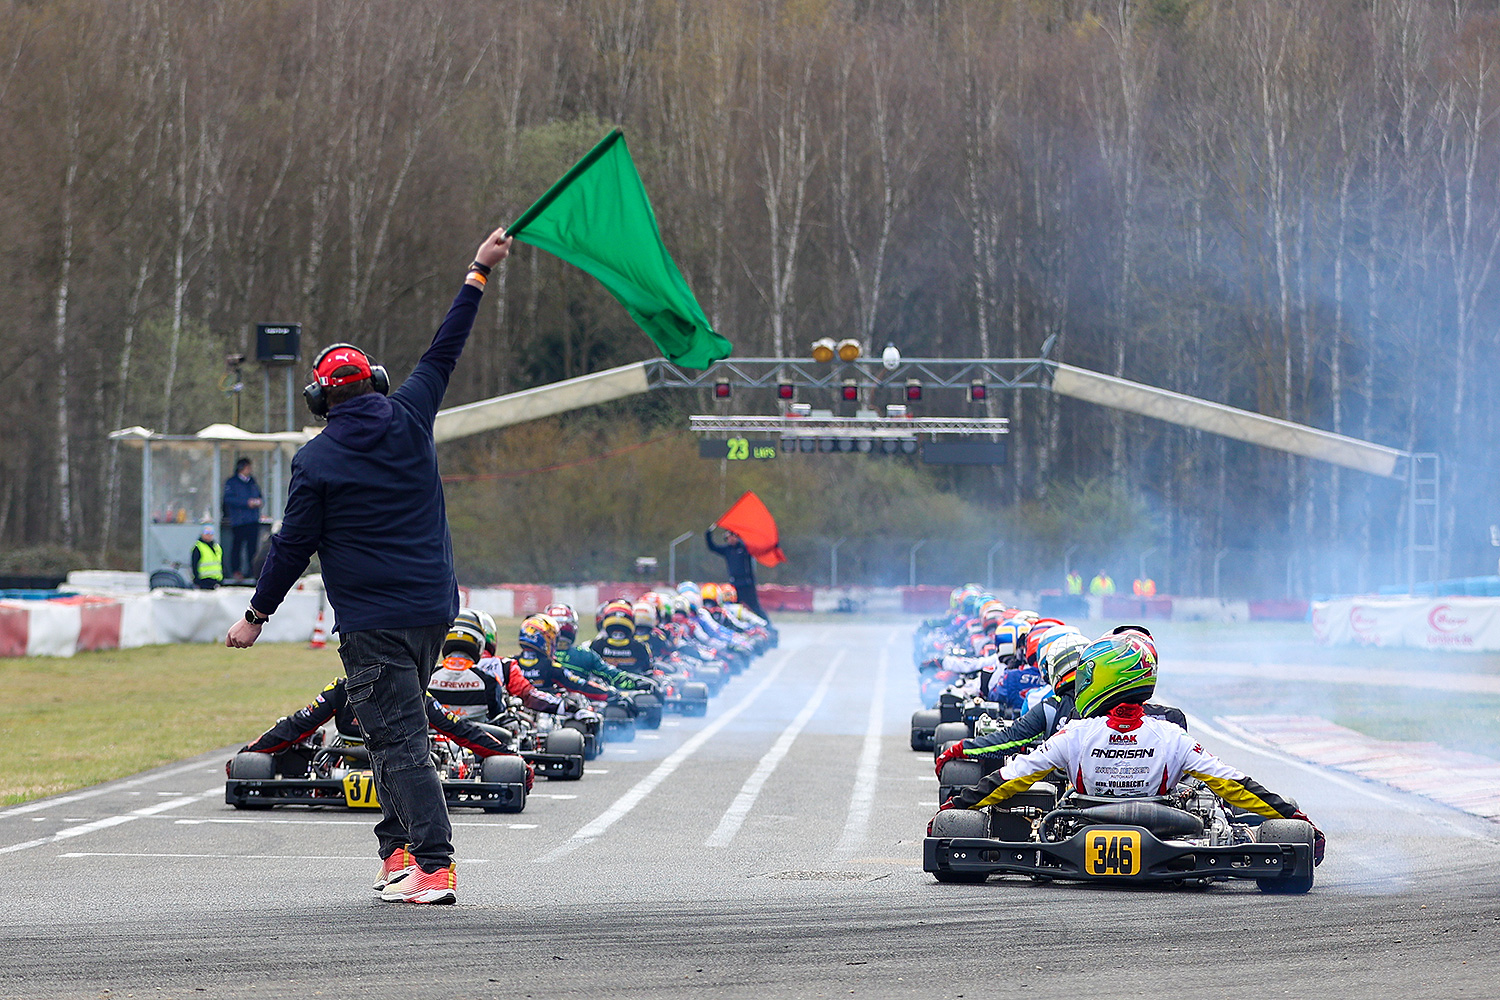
column 1112, row 852
column 359, row 790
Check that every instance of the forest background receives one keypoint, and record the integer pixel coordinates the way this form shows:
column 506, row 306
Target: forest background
column 1285, row 205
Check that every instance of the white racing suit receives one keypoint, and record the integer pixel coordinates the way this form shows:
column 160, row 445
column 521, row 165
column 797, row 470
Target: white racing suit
column 1125, row 754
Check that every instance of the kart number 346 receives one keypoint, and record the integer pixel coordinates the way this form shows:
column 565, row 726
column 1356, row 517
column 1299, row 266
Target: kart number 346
column 359, row 790
column 1112, row 852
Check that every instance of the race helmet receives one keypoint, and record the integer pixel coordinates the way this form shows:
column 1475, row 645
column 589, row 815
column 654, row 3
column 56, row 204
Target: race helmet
column 645, row 617
column 991, row 613
column 1114, row 670
column 1142, row 635
column 1060, row 661
column 1049, row 637
column 618, row 624
column 954, row 597
column 1010, row 635
column 488, row 622
column 1034, row 638
column 710, row 592
column 567, row 624
column 728, row 594
column 538, row 633
column 465, row 636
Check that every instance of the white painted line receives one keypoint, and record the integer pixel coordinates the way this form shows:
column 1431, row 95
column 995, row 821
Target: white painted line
column 862, row 799
column 258, row 821
column 245, row 857
column 520, row 826
column 624, row 750
column 549, row 795
column 632, row 798
column 739, row 809
column 114, row 786
column 648, row 736
column 596, row 770
column 67, row 833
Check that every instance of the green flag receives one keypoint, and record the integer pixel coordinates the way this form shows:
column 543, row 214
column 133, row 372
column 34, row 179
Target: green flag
column 599, row 218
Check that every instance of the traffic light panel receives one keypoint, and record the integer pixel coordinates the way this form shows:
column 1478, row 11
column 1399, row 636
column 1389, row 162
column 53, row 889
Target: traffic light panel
column 785, row 390
column 850, row 391
column 721, row 388
column 978, row 391
column 913, row 391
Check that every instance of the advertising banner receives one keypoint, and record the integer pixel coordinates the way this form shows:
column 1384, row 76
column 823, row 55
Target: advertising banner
column 1461, row 623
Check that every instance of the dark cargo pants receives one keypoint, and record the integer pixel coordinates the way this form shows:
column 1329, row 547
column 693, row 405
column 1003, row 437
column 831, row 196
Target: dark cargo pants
column 388, row 671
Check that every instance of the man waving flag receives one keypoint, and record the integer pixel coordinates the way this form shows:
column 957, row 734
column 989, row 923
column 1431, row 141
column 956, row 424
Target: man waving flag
column 598, row 218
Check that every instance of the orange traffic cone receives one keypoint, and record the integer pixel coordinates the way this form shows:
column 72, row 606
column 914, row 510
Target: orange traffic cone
column 320, row 634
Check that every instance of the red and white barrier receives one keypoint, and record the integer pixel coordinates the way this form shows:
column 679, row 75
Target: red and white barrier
column 68, row 625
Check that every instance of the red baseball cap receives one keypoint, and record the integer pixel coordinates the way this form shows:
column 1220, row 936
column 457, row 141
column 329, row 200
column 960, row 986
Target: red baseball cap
column 338, row 358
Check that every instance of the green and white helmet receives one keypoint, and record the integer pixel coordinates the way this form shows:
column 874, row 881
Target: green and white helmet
column 1060, row 661
column 1113, row 670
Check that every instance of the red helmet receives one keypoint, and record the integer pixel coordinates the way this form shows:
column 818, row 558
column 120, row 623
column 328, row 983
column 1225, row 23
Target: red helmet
column 1034, row 637
column 567, row 623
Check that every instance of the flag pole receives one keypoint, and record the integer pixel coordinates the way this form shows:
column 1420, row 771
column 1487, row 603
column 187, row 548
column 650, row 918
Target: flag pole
column 589, row 159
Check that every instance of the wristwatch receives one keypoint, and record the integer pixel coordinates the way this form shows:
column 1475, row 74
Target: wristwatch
column 255, row 619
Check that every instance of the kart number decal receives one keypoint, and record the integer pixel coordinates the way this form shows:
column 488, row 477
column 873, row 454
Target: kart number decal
column 1112, row 852
column 359, row 790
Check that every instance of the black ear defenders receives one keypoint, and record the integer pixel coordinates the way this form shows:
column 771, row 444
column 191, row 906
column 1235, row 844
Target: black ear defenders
column 316, row 394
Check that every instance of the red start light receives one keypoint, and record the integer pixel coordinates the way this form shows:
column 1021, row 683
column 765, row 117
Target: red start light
column 785, row 390
column 978, row 392
column 851, row 393
column 914, row 392
column 721, row 390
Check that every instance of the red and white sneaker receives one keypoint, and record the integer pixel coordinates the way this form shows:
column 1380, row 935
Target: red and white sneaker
column 399, row 860
column 413, row 885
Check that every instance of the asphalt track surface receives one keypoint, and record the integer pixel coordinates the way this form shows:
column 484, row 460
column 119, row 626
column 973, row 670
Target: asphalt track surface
column 772, row 849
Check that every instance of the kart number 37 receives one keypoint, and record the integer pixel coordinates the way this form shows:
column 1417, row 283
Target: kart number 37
column 1112, row 852
column 359, row 790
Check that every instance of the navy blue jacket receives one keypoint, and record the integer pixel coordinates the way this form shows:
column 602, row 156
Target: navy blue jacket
column 237, row 496
column 737, row 560
column 365, row 495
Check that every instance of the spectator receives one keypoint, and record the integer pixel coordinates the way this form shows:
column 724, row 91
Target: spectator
column 1144, row 587
column 208, row 560
column 242, row 502
column 1075, row 583
column 1102, row 585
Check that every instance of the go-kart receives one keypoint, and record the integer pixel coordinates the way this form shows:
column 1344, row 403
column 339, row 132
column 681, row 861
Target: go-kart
column 311, row 774
column 1188, row 836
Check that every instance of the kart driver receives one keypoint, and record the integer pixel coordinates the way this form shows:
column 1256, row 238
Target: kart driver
column 583, row 660
column 1060, row 663
column 1115, row 749
column 472, row 693
column 616, row 643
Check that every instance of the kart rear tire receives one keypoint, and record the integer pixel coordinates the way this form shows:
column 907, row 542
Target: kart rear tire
column 252, row 766
column 923, row 721
column 948, row 732
column 504, row 770
column 591, row 743
column 961, row 823
column 1286, row 831
column 568, row 742
column 957, row 773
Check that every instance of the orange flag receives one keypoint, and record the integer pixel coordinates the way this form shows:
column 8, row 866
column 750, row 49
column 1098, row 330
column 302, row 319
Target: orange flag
column 749, row 519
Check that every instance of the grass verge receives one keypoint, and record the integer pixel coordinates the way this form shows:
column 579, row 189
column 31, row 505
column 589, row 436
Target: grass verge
column 66, row 723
